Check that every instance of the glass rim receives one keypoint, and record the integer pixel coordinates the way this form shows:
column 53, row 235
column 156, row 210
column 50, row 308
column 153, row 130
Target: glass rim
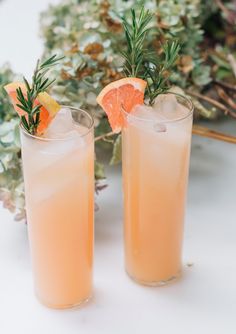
column 178, row 119
column 89, row 129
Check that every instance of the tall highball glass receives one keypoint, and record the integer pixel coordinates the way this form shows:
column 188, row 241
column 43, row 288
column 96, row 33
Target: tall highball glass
column 59, row 188
column 156, row 149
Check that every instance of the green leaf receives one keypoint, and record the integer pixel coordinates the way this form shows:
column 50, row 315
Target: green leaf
column 25, row 123
column 2, row 167
column 117, row 151
column 26, row 84
column 99, row 171
column 36, row 109
column 202, row 110
column 201, row 75
column 22, row 107
column 17, row 135
column 223, row 73
column 220, row 62
column 5, row 128
column 37, row 119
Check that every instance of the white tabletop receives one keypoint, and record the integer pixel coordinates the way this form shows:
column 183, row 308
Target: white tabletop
column 202, row 301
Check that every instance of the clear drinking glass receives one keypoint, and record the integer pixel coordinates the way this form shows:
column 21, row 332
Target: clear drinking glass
column 59, row 189
column 156, row 149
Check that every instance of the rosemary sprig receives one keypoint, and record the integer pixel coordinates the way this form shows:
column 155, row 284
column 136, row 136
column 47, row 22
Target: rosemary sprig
column 135, row 33
column 39, row 84
column 143, row 63
column 159, row 72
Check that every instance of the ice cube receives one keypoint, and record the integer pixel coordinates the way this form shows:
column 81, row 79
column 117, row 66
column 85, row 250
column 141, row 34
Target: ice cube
column 42, row 155
column 167, row 106
column 148, row 117
column 61, row 125
column 143, row 111
column 147, row 113
column 47, row 151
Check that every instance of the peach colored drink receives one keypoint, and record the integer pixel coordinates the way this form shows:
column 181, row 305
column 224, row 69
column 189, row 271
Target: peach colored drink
column 59, row 186
column 156, row 146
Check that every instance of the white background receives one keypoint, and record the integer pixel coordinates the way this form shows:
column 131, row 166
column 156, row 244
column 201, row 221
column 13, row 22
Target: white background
column 202, row 301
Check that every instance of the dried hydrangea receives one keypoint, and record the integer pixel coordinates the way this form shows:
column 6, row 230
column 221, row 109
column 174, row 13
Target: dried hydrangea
column 6, row 110
column 89, row 34
column 11, row 181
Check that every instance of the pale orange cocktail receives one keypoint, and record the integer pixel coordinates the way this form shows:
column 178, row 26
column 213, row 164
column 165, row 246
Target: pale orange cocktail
column 156, row 146
column 59, row 186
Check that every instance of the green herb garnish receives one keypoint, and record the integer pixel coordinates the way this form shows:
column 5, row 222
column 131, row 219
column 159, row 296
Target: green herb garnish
column 135, row 33
column 143, row 63
column 158, row 73
column 39, row 84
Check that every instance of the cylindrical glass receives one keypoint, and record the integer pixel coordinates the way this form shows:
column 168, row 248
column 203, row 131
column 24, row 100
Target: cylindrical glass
column 59, row 189
column 155, row 174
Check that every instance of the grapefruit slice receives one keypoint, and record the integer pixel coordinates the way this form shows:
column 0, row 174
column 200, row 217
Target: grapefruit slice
column 48, row 110
column 124, row 93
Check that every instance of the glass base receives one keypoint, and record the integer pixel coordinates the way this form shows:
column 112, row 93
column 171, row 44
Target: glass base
column 169, row 280
column 64, row 306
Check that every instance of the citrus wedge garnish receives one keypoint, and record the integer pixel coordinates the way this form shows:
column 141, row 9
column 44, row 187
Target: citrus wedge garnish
column 48, row 110
column 124, row 93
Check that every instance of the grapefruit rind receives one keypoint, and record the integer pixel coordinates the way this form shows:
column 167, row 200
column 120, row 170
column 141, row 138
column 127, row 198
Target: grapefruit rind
column 49, row 103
